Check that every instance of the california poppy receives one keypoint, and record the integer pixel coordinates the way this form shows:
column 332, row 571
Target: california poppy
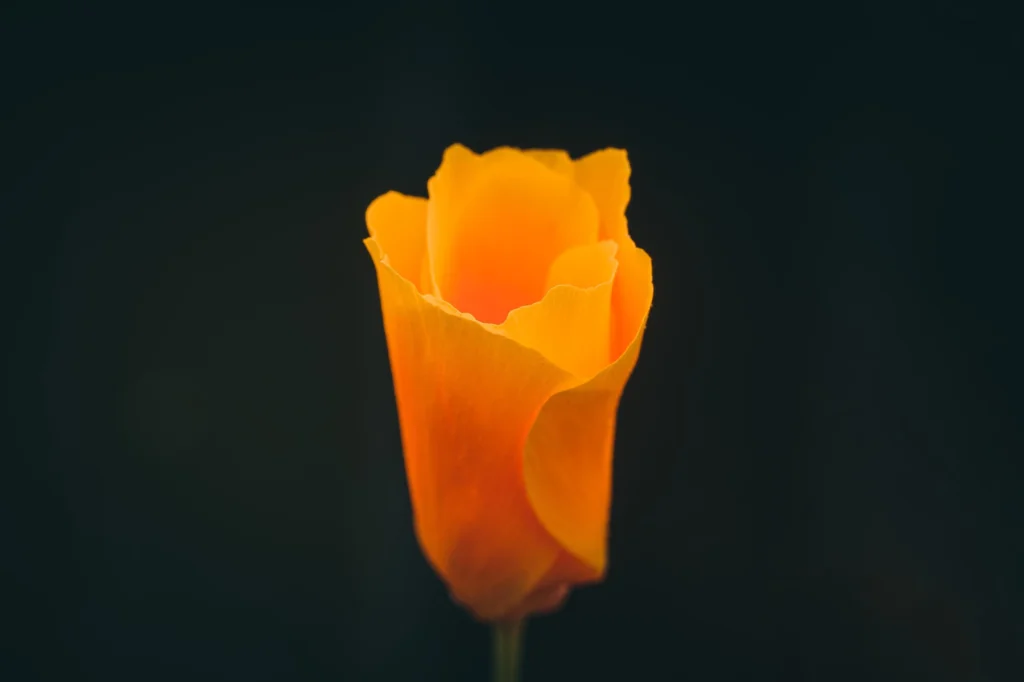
column 514, row 304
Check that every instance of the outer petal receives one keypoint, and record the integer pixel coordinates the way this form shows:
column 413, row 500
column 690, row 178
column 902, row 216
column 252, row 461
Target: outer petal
column 466, row 399
column 496, row 223
column 398, row 223
column 568, row 456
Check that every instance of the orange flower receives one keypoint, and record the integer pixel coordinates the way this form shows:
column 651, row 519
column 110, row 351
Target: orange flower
column 514, row 305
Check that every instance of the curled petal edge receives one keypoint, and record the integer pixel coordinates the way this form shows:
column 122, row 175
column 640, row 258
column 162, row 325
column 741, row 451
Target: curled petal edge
column 567, row 461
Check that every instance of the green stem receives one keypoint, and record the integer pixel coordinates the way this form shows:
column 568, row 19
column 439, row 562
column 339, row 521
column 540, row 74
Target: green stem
column 508, row 650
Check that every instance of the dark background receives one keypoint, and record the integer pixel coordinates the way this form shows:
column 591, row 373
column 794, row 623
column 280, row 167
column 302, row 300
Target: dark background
column 819, row 454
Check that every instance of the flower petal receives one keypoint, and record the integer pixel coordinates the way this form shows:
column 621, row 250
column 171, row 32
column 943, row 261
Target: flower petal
column 568, row 457
column 605, row 175
column 399, row 225
column 467, row 397
column 570, row 326
column 631, row 296
column 555, row 159
column 458, row 166
column 491, row 247
column 584, row 266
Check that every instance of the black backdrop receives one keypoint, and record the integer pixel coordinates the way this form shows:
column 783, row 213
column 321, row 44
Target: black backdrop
column 818, row 455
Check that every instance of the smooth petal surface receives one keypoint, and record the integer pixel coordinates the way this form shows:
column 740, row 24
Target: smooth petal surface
column 398, row 223
column 584, row 266
column 496, row 223
column 570, row 326
column 605, row 175
column 467, row 397
column 555, row 159
column 567, row 462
